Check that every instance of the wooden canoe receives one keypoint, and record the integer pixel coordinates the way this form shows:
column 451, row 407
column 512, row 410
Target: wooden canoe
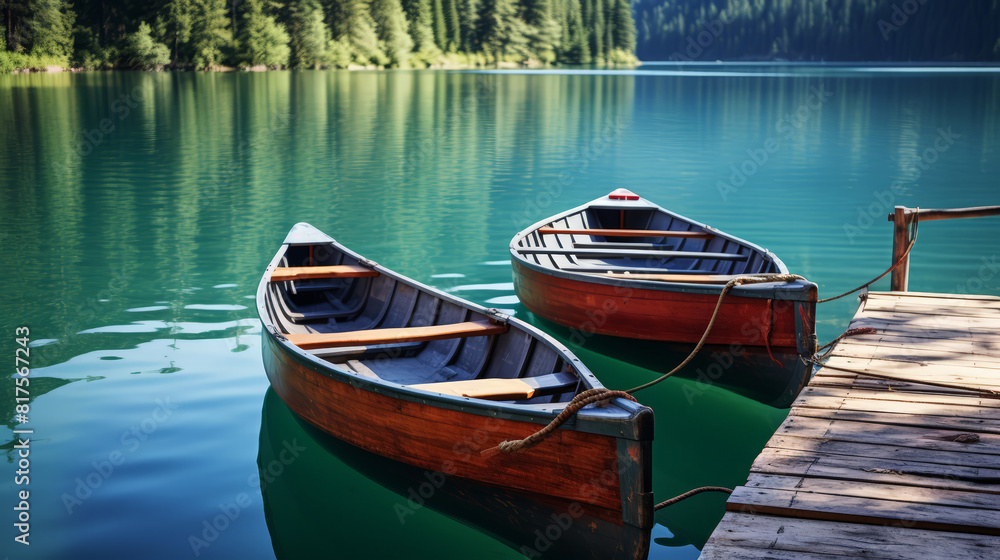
column 418, row 376
column 623, row 266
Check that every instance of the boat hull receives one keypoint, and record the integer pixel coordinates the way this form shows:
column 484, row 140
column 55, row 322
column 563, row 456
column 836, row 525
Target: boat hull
column 299, row 504
column 630, row 311
column 596, row 472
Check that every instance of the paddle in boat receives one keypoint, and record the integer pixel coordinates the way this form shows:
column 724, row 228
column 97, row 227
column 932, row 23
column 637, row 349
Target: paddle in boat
column 413, row 374
column 625, row 267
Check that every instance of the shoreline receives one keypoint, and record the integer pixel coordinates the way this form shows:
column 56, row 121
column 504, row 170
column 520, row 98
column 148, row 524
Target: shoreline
column 504, row 65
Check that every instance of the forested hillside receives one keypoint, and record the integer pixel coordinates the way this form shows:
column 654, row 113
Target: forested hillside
column 204, row 34
column 832, row 30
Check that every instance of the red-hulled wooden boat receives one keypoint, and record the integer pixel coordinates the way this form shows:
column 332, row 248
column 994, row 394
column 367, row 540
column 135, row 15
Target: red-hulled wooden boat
column 623, row 266
column 416, row 375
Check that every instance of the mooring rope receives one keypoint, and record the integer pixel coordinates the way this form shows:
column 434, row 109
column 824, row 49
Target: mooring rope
column 751, row 279
column 690, row 493
column 880, row 276
column 581, row 400
column 847, row 333
column 602, row 394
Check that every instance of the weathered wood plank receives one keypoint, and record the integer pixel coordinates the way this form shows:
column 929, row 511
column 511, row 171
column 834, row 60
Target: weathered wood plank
column 874, row 469
column 913, row 354
column 872, row 432
column 769, row 535
column 903, row 418
column 715, row 550
column 931, row 300
column 942, row 308
column 954, row 346
column 887, row 492
column 810, row 505
column 934, row 372
column 871, row 383
column 896, row 396
column 937, row 326
column 882, row 451
column 989, row 416
column 932, row 295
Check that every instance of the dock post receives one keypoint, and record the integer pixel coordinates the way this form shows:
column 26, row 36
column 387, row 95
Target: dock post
column 901, row 219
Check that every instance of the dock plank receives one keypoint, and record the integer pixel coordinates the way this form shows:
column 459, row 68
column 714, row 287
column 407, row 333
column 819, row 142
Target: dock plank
column 780, row 535
column 879, row 491
column 895, row 396
column 882, row 451
column 874, row 432
column 903, row 418
column 810, row 505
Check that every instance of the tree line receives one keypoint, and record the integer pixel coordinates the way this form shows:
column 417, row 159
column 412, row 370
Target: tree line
column 831, row 30
column 206, row 34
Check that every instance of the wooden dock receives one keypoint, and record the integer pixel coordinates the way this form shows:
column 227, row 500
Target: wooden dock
column 875, row 468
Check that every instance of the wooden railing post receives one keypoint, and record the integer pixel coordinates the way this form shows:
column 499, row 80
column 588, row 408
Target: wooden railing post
column 900, row 241
column 901, row 220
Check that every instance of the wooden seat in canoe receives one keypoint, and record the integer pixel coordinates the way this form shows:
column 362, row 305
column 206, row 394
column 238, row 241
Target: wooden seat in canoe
column 504, row 389
column 281, row 274
column 675, row 278
column 308, row 341
column 623, row 253
column 610, row 245
column 626, row 232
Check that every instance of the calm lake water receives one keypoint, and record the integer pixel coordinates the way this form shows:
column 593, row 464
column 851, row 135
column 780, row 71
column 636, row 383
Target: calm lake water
column 139, row 209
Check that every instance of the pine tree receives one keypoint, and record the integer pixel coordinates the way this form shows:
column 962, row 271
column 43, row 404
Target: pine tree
column 421, row 20
column 438, row 24
column 143, row 52
column 452, row 24
column 51, row 24
column 597, row 26
column 210, row 32
column 352, row 22
column 576, row 48
column 469, row 22
column 262, row 40
column 309, row 34
column 624, row 31
column 177, row 25
column 390, row 22
column 501, row 31
column 543, row 40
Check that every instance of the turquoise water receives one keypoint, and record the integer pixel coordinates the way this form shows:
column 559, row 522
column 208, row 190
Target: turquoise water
column 132, row 254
